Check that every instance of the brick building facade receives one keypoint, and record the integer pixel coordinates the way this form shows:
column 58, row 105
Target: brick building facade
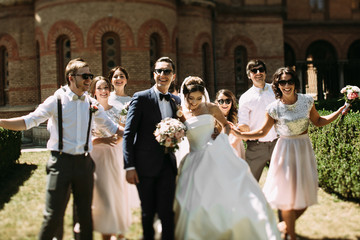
column 212, row 39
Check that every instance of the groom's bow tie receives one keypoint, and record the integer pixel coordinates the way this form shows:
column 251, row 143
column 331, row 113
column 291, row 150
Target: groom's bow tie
column 76, row 97
column 165, row 96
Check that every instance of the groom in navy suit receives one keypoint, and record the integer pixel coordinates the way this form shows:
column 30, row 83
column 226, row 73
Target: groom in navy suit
column 146, row 163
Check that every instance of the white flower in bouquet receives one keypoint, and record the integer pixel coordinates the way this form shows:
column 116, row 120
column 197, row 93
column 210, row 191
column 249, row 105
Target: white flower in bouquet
column 351, row 93
column 169, row 133
column 124, row 112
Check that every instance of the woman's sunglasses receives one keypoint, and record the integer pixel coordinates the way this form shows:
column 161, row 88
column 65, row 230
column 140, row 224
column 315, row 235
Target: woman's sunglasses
column 289, row 82
column 222, row 101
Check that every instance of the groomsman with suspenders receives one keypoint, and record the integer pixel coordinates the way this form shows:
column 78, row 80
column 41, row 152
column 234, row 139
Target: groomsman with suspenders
column 70, row 113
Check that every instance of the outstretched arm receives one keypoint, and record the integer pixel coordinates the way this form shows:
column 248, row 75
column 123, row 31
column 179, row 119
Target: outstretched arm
column 320, row 121
column 261, row 132
column 16, row 124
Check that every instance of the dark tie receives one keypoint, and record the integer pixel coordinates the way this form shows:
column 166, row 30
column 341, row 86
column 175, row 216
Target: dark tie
column 165, row 96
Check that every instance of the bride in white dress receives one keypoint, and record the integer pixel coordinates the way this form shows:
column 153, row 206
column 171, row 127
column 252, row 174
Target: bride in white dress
column 216, row 196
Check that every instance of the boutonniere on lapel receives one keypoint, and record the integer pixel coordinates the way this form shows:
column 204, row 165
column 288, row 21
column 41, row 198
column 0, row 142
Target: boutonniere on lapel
column 179, row 113
column 93, row 108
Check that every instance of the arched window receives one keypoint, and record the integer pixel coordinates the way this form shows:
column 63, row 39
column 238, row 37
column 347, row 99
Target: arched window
column 110, row 45
column 63, row 56
column 154, row 52
column 289, row 55
column 352, row 67
column 317, row 5
column 241, row 79
column 206, row 67
column 322, row 70
column 38, row 72
column 4, row 77
column 155, row 43
column 355, row 5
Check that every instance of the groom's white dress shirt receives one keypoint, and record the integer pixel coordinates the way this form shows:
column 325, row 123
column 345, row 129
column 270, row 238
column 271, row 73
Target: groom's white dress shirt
column 165, row 106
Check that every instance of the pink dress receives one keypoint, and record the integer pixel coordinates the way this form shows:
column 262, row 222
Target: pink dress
column 292, row 180
column 238, row 145
column 113, row 197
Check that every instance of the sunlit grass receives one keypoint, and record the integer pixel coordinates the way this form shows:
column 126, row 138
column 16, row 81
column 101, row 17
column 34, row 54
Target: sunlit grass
column 21, row 217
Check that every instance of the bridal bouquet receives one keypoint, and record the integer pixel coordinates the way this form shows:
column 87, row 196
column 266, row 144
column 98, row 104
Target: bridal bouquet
column 351, row 93
column 124, row 112
column 169, row 133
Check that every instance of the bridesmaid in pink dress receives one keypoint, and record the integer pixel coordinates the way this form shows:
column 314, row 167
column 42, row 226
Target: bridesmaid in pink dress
column 226, row 101
column 113, row 197
column 292, row 182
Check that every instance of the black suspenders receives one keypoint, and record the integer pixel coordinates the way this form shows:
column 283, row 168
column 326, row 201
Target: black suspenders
column 61, row 144
column 60, row 127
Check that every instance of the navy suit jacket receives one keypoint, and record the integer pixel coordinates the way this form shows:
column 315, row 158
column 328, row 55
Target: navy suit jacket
column 140, row 148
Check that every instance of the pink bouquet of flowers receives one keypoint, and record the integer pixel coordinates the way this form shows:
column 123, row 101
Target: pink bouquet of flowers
column 351, row 93
column 169, row 133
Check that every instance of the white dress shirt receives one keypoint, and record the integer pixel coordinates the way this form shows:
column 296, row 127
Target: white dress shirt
column 75, row 117
column 165, row 107
column 252, row 109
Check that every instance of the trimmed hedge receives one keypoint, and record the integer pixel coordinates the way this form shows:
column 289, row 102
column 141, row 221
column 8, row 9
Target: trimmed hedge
column 337, row 149
column 10, row 148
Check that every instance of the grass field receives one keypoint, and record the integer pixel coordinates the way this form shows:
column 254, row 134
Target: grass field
column 22, row 202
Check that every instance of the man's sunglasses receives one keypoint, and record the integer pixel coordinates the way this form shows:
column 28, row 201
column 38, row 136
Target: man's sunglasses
column 222, row 101
column 85, row 76
column 165, row 71
column 256, row 70
column 289, row 82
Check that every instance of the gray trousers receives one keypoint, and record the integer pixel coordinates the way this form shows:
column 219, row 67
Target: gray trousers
column 257, row 155
column 65, row 174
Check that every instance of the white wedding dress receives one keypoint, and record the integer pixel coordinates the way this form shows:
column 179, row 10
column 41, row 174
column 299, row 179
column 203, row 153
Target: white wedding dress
column 216, row 196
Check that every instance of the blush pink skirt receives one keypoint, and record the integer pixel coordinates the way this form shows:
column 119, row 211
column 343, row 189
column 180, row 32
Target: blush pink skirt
column 292, row 180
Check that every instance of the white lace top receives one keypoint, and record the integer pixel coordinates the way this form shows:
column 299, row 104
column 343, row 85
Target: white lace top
column 291, row 120
column 114, row 114
column 118, row 101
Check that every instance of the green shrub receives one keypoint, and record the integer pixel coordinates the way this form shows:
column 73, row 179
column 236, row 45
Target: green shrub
column 10, row 148
column 337, row 148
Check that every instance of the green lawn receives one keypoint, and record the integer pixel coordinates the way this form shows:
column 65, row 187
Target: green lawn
column 22, row 202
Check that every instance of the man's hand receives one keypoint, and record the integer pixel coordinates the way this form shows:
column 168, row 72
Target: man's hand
column 132, row 177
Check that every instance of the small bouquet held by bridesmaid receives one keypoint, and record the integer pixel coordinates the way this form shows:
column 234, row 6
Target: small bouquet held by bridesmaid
column 169, row 133
column 351, row 93
column 124, row 112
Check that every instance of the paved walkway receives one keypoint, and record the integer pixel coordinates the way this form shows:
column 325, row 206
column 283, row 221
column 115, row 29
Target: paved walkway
column 32, row 148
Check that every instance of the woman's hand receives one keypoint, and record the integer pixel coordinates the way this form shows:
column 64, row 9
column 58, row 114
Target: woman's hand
column 235, row 131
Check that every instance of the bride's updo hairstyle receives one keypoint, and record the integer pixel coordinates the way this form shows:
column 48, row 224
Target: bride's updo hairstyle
column 193, row 84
